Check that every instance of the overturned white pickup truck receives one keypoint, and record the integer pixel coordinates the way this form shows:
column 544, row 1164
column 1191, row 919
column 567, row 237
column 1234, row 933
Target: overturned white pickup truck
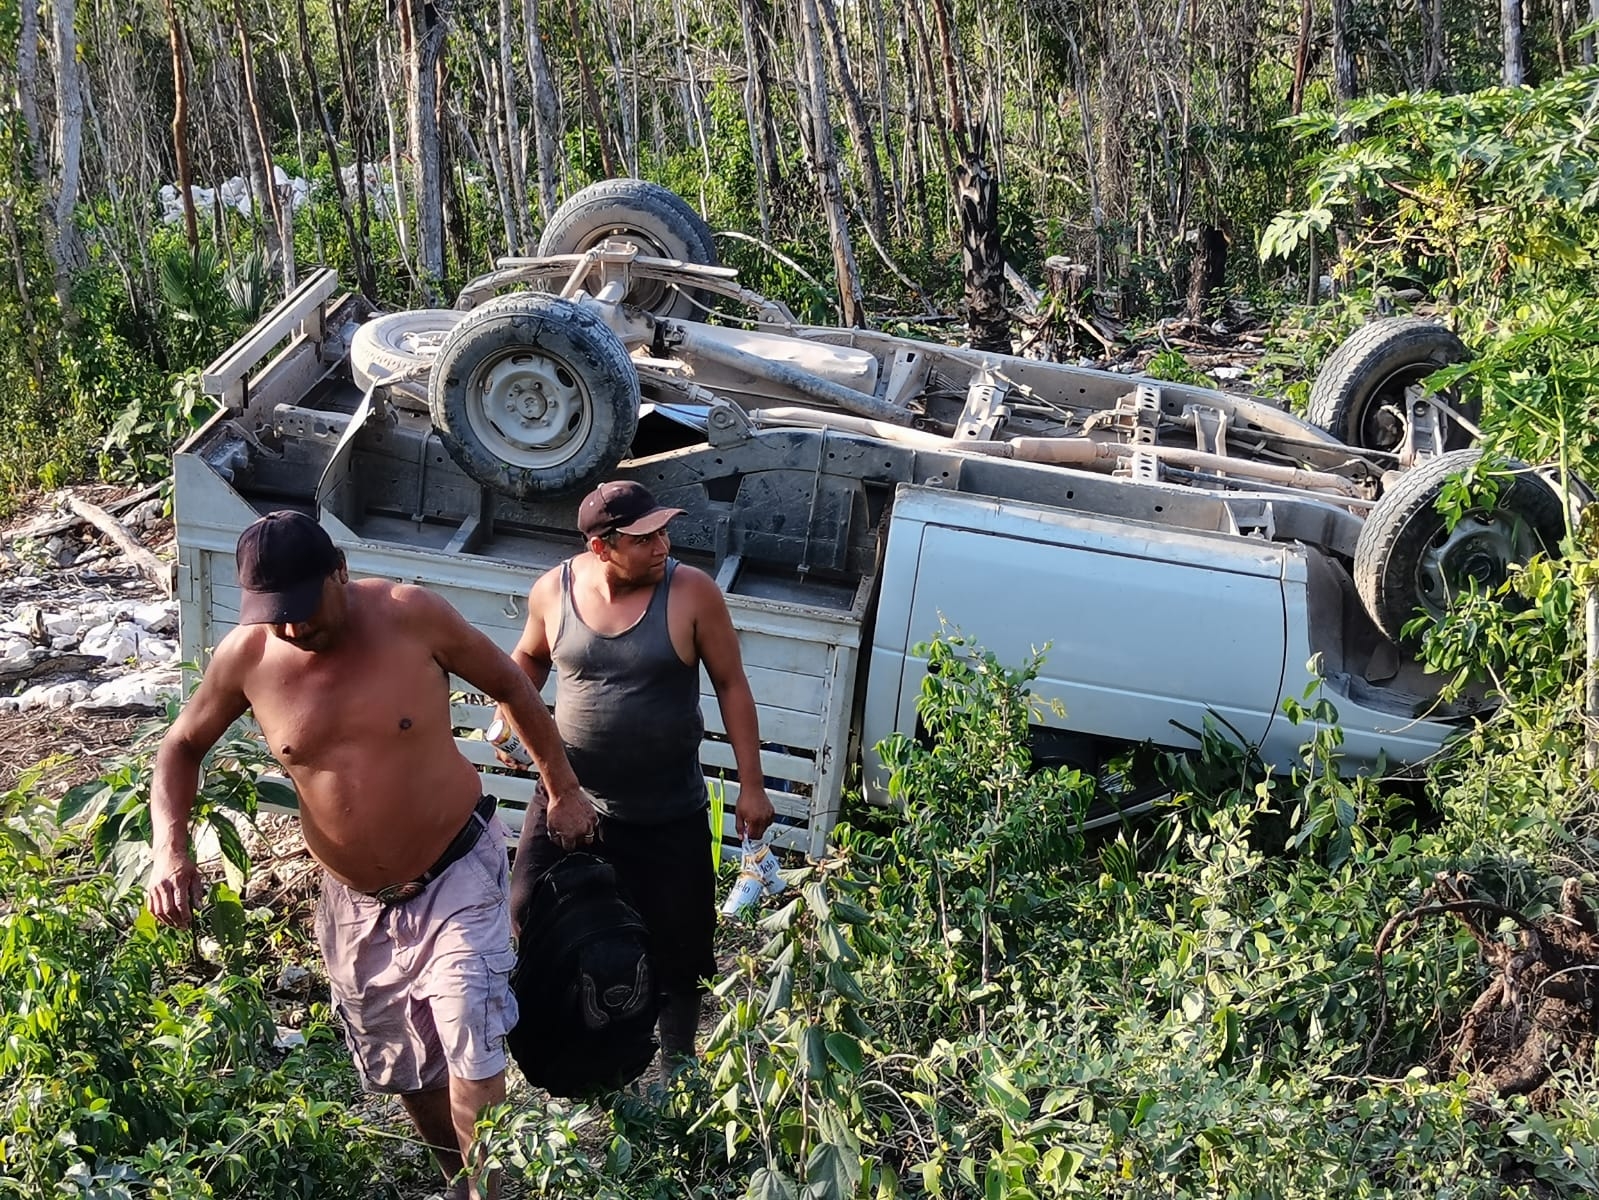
column 1183, row 551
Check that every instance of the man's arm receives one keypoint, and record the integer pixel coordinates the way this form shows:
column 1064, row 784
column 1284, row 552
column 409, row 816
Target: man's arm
column 216, row 703
column 532, row 653
column 463, row 650
column 716, row 642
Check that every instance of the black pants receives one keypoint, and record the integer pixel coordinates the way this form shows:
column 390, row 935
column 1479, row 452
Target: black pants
column 666, row 873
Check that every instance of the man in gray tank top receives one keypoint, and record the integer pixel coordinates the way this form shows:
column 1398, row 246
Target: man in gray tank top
column 627, row 629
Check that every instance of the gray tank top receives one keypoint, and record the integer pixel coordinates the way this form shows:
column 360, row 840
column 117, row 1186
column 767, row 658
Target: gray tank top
column 628, row 710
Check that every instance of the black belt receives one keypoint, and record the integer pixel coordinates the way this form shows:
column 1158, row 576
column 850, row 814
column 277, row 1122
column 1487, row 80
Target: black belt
column 399, row 893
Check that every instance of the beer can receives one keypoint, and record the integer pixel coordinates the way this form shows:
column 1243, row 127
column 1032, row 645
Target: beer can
column 500, row 735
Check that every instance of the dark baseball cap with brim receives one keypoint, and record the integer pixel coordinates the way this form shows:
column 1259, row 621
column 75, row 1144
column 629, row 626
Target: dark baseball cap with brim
column 622, row 507
column 284, row 559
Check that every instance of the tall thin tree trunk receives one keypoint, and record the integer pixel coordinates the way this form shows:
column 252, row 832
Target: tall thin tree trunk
column 752, row 122
column 1307, row 24
column 929, row 89
column 258, row 155
column 1588, row 43
column 28, row 83
column 422, row 42
column 627, row 99
column 757, row 23
column 330, row 143
column 1346, row 81
column 57, row 202
column 1430, row 16
column 884, row 120
column 515, row 150
column 591, row 93
column 914, row 169
column 180, row 126
column 693, row 103
column 360, row 138
column 286, row 194
column 457, row 213
column 402, row 227
column 546, row 111
column 495, row 127
column 1515, row 42
column 860, row 125
column 824, row 164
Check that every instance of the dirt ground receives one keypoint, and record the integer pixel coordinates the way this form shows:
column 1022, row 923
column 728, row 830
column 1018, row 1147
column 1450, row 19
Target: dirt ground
column 76, row 743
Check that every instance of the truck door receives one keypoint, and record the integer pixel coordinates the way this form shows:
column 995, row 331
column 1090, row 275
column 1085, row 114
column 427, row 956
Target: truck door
column 1147, row 627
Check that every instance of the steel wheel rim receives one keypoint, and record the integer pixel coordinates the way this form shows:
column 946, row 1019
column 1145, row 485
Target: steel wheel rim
column 647, row 294
column 1381, row 420
column 530, row 408
column 422, row 343
column 1477, row 552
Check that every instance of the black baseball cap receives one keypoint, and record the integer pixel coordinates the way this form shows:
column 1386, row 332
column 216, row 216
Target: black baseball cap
column 284, row 558
column 621, row 507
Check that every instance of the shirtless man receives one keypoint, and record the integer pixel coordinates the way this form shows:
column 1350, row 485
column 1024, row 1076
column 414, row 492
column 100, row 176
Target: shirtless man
column 349, row 682
column 627, row 628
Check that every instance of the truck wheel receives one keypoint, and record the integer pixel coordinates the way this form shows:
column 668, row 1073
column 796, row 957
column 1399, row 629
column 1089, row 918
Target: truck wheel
column 534, row 396
column 651, row 217
column 1359, row 394
column 397, row 345
column 1408, row 559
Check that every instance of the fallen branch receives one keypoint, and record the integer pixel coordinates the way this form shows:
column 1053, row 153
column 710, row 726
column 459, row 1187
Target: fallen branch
column 1027, row 292
column 153, row 568
column 866, row 226
column 62, row 524
column 41, row 664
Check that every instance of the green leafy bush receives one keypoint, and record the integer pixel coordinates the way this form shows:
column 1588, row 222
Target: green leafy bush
column 1493, row 194
column 127, row 1069
column 978, row 1004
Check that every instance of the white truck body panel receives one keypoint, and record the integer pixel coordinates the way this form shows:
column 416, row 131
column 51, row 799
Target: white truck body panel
column 1150, row 630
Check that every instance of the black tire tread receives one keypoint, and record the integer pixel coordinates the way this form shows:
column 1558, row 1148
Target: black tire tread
column 1414, row 497
column 611, row 375
column 585, row 210
column 1338, row 386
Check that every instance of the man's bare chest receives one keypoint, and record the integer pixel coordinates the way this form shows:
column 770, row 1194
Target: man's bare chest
column 381, row 704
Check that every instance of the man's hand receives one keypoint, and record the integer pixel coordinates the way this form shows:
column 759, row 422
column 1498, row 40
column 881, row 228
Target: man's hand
column 570, row 819
column 753, row 813
column 521, row 767
column 175, row 889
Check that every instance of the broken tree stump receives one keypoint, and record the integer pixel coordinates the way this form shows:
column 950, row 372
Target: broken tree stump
column 1064, row 313
column 1208, row 274
column 1540, row 1010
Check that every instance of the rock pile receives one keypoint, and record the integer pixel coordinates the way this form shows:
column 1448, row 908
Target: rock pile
column 81, row 625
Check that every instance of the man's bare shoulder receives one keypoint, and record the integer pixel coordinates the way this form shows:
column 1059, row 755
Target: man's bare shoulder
column 234, row 663
column 695, row 587
column 402, row 605
column 241, row 648
column 546, row 589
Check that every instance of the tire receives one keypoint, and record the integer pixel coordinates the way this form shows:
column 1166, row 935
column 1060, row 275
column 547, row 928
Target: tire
column 1359, row 394
column 1408, row 560
column 655, row 219
column 392, row 348
column 533, row 396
